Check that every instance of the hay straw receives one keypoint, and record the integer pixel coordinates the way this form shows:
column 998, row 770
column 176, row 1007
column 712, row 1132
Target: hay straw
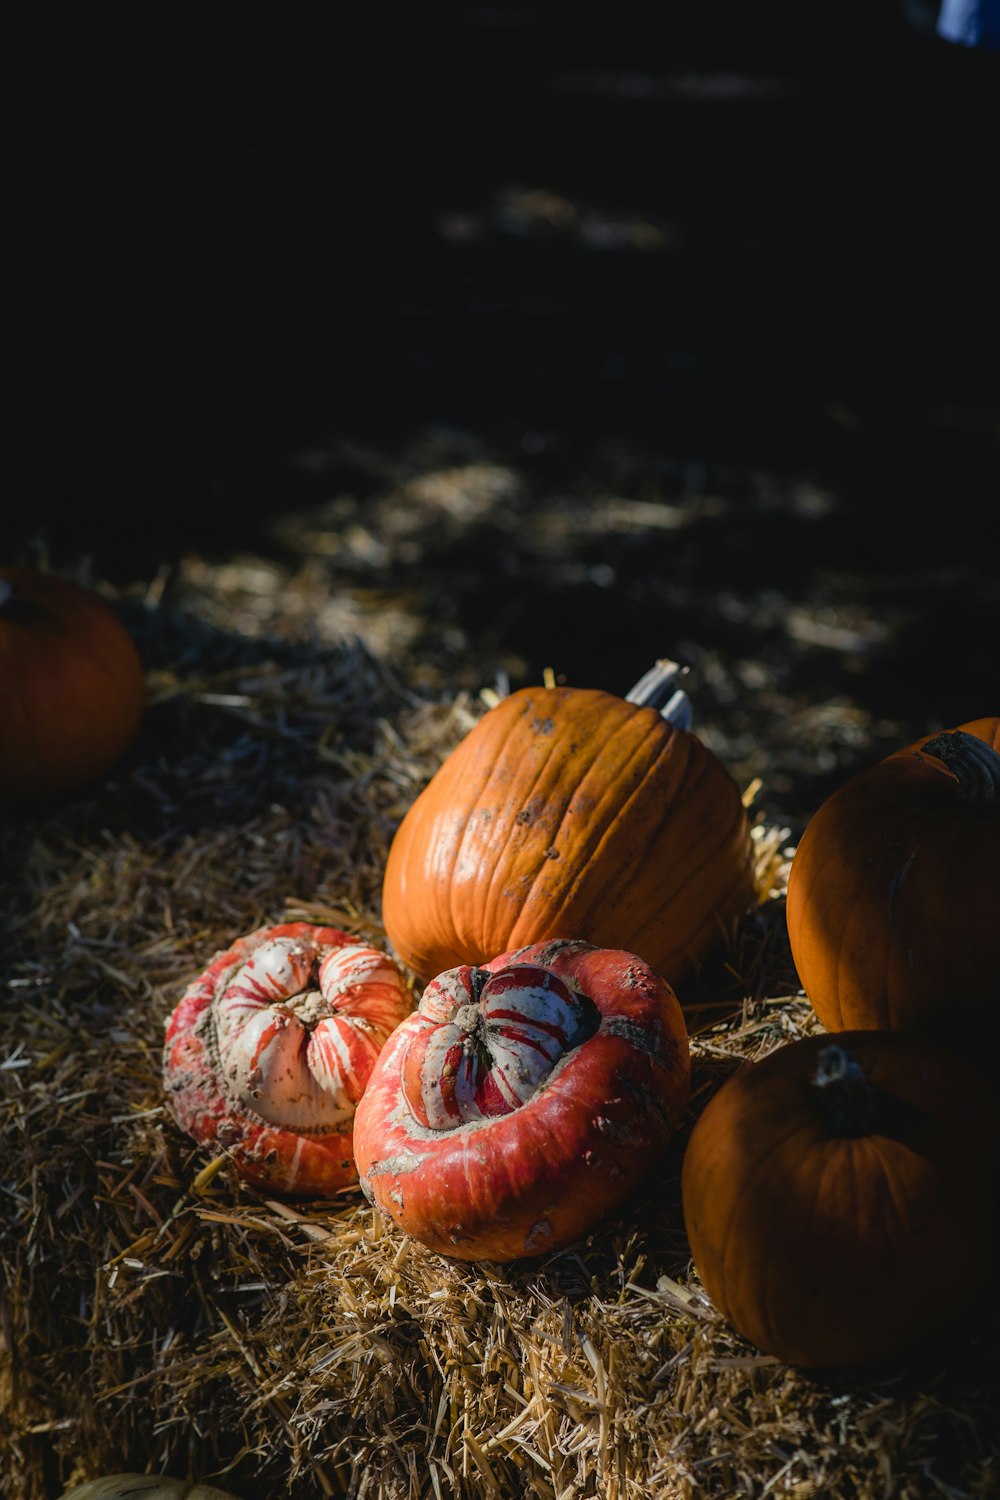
column 158, row 1314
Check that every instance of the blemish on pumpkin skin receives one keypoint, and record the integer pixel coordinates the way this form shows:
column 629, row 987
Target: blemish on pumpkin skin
column 538, row 1236
column 543, row 726
column 403, row 1161
column 621, row 1134
column 640, row 1037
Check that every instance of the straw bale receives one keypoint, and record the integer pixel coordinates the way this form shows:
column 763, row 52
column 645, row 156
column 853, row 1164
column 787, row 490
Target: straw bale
column 159, row 1314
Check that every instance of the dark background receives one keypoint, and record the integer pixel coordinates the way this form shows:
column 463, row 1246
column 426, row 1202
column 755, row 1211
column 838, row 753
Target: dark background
column 239, row 242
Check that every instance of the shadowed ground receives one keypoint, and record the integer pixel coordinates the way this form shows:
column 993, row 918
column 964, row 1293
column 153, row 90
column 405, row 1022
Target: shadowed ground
column 550, row 342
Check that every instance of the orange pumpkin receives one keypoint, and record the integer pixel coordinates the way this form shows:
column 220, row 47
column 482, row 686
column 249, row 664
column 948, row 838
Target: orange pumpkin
column 894, row 893
column 572, row 813
column 839, row 1196
column 71, row 684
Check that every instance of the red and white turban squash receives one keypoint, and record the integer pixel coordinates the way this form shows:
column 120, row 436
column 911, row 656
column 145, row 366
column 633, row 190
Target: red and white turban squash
column 523, row 1100
column 269, row 1051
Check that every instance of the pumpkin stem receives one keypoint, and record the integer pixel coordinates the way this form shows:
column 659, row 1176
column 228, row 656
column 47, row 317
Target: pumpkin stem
column 845, row 1098
column 658, row 688
column 969, row 761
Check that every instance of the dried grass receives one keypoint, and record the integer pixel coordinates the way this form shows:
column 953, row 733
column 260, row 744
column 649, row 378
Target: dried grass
column 157, row 1313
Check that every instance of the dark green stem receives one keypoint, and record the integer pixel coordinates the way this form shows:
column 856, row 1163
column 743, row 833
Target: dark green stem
column 969, row 761
column 846, row 1100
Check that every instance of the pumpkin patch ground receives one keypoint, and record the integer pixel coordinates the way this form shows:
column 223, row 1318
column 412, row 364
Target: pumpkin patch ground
column 628, row 392
column 161, row 1314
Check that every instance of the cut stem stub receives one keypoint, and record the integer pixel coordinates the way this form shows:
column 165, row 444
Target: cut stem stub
column 969, row 761
column 658, row 688
column 846, row 1099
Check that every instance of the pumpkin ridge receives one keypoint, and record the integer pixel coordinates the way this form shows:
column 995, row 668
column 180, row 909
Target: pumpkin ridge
column 933, row 901
column 910, row 833
column 493, row 894
column 839, row 999
column 503, row 859
column 479, row 943
column 897, row 1234
column 954, row 889
column 447, row 934
column 803, row 881
column 896, row 955
column 774, row 1294
column 733, row 1245
column 617, row 810
column 652, row 831
column 706, row 861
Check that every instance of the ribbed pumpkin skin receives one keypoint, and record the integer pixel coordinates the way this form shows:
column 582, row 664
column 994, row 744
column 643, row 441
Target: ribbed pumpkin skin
column 246, row 1072
column 832, row 1251
column 570, row 813
column 894, row 898
column 585, row 1131
column 71, row 685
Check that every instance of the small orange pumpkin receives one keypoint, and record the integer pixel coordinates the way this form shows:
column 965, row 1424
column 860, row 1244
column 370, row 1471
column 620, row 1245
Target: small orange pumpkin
column 839, row 1196
column 71, row 684
column 572, row 813
column 894, row 893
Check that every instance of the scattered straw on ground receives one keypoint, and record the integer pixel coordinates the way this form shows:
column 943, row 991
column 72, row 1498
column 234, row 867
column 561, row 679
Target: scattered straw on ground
column 158, row 1314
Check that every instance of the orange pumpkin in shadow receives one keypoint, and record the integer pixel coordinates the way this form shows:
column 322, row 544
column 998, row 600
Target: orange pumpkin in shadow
column 894, row 893
column 840, row 1196
column 71, row 684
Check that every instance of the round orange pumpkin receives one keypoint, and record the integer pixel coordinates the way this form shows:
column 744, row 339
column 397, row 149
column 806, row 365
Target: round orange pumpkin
column 840, row 1196
column 71, row 684
column 571, row 813
column 894, row 893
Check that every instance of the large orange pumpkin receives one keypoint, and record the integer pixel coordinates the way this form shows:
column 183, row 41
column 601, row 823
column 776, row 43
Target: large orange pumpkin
column 71, row 684
column 839, row 1196
column 572, row 813
column 894, row 892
